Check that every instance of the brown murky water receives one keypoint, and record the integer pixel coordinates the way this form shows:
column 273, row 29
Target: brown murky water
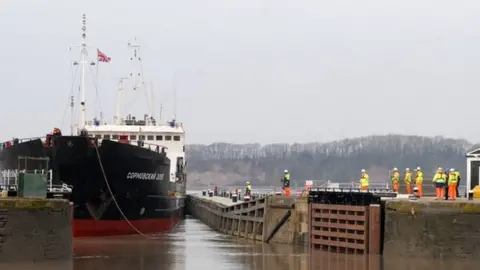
column 194, row 246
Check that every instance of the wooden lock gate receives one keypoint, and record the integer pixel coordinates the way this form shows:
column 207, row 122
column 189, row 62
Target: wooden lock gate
column 346, row 222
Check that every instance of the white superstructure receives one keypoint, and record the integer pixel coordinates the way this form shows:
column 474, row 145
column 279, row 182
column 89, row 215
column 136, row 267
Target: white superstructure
column 168, row 137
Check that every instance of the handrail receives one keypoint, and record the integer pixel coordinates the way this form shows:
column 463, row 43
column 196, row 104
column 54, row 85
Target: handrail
column 92, row 138
column 136, row 142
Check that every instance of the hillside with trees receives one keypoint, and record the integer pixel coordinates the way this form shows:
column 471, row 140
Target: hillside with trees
column 339, row 161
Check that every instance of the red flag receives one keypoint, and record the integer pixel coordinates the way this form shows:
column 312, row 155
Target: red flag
column 101, row 57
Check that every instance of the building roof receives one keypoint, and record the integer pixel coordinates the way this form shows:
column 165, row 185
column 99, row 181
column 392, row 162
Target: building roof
column 474, row 153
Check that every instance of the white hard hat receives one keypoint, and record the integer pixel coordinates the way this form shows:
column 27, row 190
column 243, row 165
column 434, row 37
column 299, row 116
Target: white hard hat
column 285, row 171
column 363, row 170
column 407, row 169
column 440, row 169
column 248, row 182
column 452, row 169
column 395, row 169
column 418, row 169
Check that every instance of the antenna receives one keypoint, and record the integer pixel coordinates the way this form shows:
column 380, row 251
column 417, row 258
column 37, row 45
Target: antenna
column 136, row 75
column 152, row 98
column 72, row 119
column 138, row 81
column 161, row 112
column 82, row 62
column 119, row 96
column 174, row 102
column 174, row 84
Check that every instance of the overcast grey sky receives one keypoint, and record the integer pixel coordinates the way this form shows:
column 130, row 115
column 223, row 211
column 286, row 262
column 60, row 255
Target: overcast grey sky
column 255, row 70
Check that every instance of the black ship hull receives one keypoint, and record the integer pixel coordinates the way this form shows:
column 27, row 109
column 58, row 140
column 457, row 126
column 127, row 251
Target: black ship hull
column 144, row 200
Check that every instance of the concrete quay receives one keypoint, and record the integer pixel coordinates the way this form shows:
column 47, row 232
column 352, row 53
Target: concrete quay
column 403, row 227
column 432, row 229
column 35, row 230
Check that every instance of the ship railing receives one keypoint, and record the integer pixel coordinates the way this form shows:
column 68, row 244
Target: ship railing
column 14, row 141
column 9, row 179
column 151, row 146
column 45, row 140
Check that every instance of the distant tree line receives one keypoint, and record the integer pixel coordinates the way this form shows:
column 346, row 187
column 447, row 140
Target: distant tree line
column 339, row 160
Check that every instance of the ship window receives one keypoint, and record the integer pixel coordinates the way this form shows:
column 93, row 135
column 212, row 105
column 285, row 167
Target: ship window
column 176, row 138
column 115, row 137
column 159, row 137
column 141, row 137
column 133, row 137
column 150, row 137
column 98, row 136
column 106, row 136
column 168, row 138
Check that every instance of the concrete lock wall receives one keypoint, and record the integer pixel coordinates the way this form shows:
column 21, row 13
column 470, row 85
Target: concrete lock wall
column 34, row 230
column 295, row 229
column 432, row 229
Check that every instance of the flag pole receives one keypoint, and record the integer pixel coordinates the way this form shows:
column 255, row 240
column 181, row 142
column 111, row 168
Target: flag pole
column 96, row 88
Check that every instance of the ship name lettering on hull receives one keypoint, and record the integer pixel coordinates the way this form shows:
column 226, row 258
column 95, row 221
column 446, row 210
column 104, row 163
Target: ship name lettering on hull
column 145, row 176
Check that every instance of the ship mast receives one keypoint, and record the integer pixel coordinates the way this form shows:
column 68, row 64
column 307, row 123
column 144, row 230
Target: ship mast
column 83, row 62
column 137, row 74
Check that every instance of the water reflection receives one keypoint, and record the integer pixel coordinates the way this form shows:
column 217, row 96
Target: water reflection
column 134, row 252
column 194, row 246
column 323, row 260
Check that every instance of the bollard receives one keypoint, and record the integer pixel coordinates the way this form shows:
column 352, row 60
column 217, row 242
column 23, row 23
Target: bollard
column 234, row 198
column 204, row 192
column 415, row 192
column 210, row 193
column 254, row 197
column 470, row 195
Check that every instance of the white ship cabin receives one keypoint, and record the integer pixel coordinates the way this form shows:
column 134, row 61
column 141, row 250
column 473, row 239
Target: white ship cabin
column 147, row 133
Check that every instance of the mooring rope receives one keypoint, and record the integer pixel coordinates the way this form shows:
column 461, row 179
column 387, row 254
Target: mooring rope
column 113, row 197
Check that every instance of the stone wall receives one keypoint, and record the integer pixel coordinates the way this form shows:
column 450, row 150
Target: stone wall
column 432, row 229
column 34, row 230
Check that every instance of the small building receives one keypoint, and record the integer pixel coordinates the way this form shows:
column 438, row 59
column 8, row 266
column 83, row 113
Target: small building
column 473, row 171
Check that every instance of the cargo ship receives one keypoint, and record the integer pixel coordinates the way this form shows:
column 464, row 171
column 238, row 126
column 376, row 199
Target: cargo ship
column 126, row 177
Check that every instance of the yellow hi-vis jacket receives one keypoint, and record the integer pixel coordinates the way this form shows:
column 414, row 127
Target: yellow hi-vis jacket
column 439, row 178
column 364, row 180
column 452, row 178
column 419, row 177
column 408, row 178
column 395, row 177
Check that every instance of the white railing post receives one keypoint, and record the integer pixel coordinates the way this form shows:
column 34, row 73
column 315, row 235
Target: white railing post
column 50, row 176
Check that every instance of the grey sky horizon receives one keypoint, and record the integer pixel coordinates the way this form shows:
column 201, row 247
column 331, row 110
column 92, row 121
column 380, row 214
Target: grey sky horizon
column 252, row 71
